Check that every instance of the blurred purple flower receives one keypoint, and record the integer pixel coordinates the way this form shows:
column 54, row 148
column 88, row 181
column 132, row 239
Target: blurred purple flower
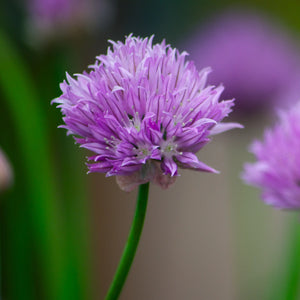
column 277, row 170
column 6, row 174
column 144, row 111
column 57, row 17
column 53, row 11
column 255, row 60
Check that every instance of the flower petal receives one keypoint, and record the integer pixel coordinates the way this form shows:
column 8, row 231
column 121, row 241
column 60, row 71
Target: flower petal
column 169, row 166
column 222, row 127
column 189, row 160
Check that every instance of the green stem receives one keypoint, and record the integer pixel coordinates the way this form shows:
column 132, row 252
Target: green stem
column 292, row 279
column 294, row 266
column 131, row 245
column 287, row 281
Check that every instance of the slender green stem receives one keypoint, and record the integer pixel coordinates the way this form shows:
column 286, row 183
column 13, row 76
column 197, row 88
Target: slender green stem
column 286, row 285
column 293, row 280
column 289, row 286
column 131, row 245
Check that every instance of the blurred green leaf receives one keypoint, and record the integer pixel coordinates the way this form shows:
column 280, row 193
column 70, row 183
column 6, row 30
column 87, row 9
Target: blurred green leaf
column 32, row 136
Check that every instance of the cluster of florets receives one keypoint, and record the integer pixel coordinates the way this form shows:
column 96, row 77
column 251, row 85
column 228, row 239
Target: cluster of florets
column 277, row 170
column 144, row 111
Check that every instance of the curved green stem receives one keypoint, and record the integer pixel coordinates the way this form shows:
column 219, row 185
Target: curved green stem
column 131, row 245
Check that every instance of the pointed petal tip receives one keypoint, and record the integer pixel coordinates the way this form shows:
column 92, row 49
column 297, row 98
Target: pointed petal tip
column 222, row 127
column 209, row 169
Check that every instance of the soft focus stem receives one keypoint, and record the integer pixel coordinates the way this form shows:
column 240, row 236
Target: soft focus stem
column 293, row 278
column 290, row 281
column 131, row 245
column 287, row 283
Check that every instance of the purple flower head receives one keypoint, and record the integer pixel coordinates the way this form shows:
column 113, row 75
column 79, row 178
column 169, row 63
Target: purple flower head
column 277, row 170
column 255, row 59
column 144, row 110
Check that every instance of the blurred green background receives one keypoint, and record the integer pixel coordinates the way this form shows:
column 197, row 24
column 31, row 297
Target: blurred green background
column 62, row 231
